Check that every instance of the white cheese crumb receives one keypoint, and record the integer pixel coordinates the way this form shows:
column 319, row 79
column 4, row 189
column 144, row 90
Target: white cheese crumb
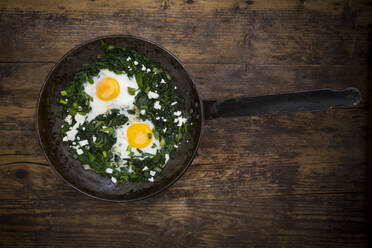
column 165, row 129
column 94, row 138
column 157, row 117
column 151, row 179
column 162, row 81
column 145, row 168
column 65, row 138
column 86, row 166
column 78, row 138
column 129, row 58
column 109, row 170
column 157, row 105
column 143, row 68
column 113, row 179
column 83, row 142
column 130, row 170
column 165, row 120
column 79, row 151
column 143, row 112
column 71, row 134
column 175, row 87
column 177, row 113
column 148, row 70
column 175, row 146
column 68, row 119
column 152, row 95
column 180, row 120
column 74, row 143
column 152, row 173
column 79, row 118
column 166, row 158
column 173, row 103
column 135, row 63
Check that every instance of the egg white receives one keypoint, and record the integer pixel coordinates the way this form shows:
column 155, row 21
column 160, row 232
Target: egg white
column 120, row 147
column 123, row 101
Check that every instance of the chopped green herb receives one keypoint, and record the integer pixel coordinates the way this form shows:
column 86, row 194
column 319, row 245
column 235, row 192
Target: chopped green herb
column 63, row 102
column 139, row 79
column 128, row 148
column 131, row 91
column 63, row 93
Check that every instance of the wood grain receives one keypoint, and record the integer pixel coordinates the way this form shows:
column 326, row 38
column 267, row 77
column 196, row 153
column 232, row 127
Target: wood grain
column 297, row 180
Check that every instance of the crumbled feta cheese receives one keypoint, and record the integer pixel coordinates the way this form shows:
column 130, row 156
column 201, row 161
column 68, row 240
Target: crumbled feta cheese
column 109, row 170
column 113, row 179
column 79, row 118
column 145, row 168
column 129, row 58
column 175, row 87
column 94, row 138
column 143, row 112
column 165, row 129
column 177, row 113
column 65, row 138
column 157, row 105
column 135, row 63
column 180, row 120
column 166, row 158
column 79, row 151
column 152, row 173
column 143, row 68
column 148, row 70
column 173, row 103
column 68, row 119
column 165, row 120
column 74, row 143
column 83, row 142
column 162, row 81
column 152, row 95
column 78, row 138
column 83, row 128
column 71, row 134
column 130, row 170
column 151, row 179
column 157, row 117
column 86, row 166
column 175, row 146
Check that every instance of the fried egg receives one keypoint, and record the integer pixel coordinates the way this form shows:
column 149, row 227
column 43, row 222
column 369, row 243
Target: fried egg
column 109, row 91
column 137, row 135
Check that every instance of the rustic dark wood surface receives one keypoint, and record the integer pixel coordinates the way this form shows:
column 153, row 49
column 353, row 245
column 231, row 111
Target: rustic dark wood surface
column 297, row 180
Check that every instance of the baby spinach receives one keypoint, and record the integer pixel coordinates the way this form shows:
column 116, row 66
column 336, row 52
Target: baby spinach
column 100, row 132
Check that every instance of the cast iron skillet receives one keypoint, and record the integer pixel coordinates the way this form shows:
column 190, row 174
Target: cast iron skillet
column 99, row 187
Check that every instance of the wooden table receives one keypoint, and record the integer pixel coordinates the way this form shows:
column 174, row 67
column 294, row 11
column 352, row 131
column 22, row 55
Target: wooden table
column 290, row 181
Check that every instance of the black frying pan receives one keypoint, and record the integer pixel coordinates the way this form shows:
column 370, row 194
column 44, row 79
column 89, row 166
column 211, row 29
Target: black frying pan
column 100, row 187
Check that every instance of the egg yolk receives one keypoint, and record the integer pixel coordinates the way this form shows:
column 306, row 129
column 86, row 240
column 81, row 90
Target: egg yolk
column 107, row 89
column 139, row 135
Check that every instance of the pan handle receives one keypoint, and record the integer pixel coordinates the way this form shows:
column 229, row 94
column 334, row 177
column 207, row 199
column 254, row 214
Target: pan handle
column 305, row 101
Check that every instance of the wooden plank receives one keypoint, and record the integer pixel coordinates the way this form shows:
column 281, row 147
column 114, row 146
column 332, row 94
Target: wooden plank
column 291, row 221
column 315, row 136
column 301, row 34
column 21, row 84
column 313, row 152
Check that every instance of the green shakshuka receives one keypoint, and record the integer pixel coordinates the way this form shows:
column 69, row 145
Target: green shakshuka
column 122, row 116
